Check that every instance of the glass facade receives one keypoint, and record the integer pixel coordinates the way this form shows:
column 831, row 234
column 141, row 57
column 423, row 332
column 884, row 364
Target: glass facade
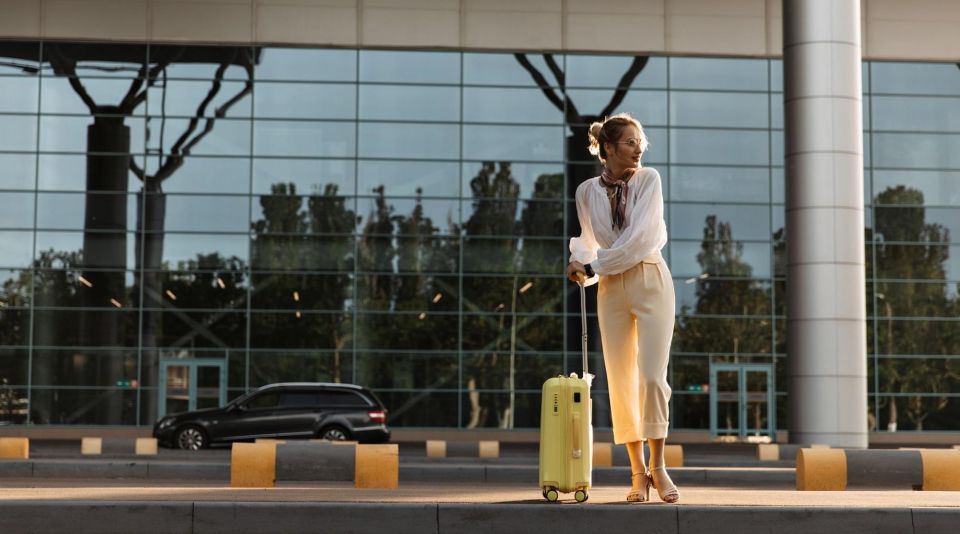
column 399, row 219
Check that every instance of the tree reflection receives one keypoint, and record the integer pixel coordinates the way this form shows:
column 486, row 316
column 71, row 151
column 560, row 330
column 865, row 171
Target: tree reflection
column 914, row 252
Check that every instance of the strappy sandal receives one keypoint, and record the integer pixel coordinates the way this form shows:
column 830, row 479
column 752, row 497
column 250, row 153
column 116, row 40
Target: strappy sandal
column 641, row 491
column 668, row 494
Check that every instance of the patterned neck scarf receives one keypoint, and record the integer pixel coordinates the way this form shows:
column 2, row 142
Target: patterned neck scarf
column 617, row 189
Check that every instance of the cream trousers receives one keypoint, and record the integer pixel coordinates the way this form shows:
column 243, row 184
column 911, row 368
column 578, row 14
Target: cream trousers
column 636, row 314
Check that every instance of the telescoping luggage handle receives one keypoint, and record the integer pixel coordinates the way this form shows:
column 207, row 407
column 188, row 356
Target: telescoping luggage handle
column 581, row 281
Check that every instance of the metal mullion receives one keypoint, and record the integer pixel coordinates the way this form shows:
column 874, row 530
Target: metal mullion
column 33, row 278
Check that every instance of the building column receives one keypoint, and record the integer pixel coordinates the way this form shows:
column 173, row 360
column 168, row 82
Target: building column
column 826, row 302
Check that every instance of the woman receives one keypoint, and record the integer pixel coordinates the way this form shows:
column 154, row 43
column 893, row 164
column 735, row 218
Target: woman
column 621, row 217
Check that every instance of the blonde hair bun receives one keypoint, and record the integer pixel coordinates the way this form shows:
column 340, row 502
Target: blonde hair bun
column 594, row 136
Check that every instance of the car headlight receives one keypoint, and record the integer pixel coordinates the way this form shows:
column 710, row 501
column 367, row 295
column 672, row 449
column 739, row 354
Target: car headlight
column 165, row 423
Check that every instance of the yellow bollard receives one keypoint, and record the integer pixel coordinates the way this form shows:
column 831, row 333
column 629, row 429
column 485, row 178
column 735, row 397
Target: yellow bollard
column 821, row 470
column 768, row 452
column 436, row 448
column 377, row 466
column 673, row 455
column 91, row 446
column 941, row 469
column 253, row 465
column 146, row 447
column 603, row 455
column 489, row 449
column 15, row 448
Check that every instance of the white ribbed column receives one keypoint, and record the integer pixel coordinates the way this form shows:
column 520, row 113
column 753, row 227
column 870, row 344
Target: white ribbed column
column 826, row 304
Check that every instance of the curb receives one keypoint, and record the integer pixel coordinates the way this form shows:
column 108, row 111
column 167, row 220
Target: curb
column 256, row 517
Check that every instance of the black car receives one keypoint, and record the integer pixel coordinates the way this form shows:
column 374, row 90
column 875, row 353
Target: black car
column 290, row 410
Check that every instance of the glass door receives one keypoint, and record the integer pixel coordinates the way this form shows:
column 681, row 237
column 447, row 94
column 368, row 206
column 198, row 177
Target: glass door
column 195, row 384
column 742, row 402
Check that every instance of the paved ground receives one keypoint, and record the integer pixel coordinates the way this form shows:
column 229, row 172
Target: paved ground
column 125, row 490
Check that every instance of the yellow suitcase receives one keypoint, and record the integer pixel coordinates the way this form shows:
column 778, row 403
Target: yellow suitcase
column 566, row 431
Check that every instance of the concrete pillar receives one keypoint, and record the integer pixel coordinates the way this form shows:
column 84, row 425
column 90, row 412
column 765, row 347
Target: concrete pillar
column 826, row 303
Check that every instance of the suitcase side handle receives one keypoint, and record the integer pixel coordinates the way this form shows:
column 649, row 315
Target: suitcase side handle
column 577, row 449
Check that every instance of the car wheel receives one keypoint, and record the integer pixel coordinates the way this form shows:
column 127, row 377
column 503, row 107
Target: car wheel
column 191, row 438
column 335, row 433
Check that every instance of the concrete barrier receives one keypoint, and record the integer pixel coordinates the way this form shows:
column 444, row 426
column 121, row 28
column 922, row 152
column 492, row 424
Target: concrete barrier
column 773, row 452
column 14, row 448
column 462, row 449
column 263, row 464
column 611, row 455
column 93, row 446
column 841, row 469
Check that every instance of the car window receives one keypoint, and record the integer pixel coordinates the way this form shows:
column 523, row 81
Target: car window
column 342, row 398
column 263, row 400
column 298, row 398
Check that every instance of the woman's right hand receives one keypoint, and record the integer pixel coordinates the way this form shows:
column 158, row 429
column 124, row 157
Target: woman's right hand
column 573, row 268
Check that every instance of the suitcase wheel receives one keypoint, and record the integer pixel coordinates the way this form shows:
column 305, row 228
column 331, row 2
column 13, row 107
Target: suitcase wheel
column 581, row 495
column 551, row 494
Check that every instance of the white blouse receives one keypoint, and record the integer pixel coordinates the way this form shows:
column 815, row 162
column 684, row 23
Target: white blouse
column 610, row 251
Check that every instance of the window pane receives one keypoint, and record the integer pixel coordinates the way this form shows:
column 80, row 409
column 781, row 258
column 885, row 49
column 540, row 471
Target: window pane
column 98, row 367
column 68, row 172
column 181, row 248
column 188, row 98
column 506, row 69
column 286, row 330
column 409, row 102
column 409, row 67
column 275, row 366
column 918, row 262
column 16, row 210
column 649, row 107
column 20, row 93
column 308, row 176
column 404, row 178
column 715, row 73
column 305, row 64
column 746, row 110
column 204, row 61
column 380, row 253
column 608, row 71
column 225, row 137
column 910, row 150
column 409, row 141
column 722, row 335
column 204, row 213
column 693, row 221
column 406, row 371
column 18, row 132
column 411, row 216
column 305, row 101
column 712, row 296
column 405, row 331
column 730, row 147
column 747, row 184
column 302, row 252
column 917, row 113
column 108, row 406
column 198, row 174
column 63, row 244
column 301, row 291
column 916, row 78
column 727, row 259
column 66, row 211
column 18, row 171
column 508, row 105
column 504, row 143
column 19, row 58
column 106, row 327
column 535, row 180
column 103, row 60
column 936, row 187
column 303, row 139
